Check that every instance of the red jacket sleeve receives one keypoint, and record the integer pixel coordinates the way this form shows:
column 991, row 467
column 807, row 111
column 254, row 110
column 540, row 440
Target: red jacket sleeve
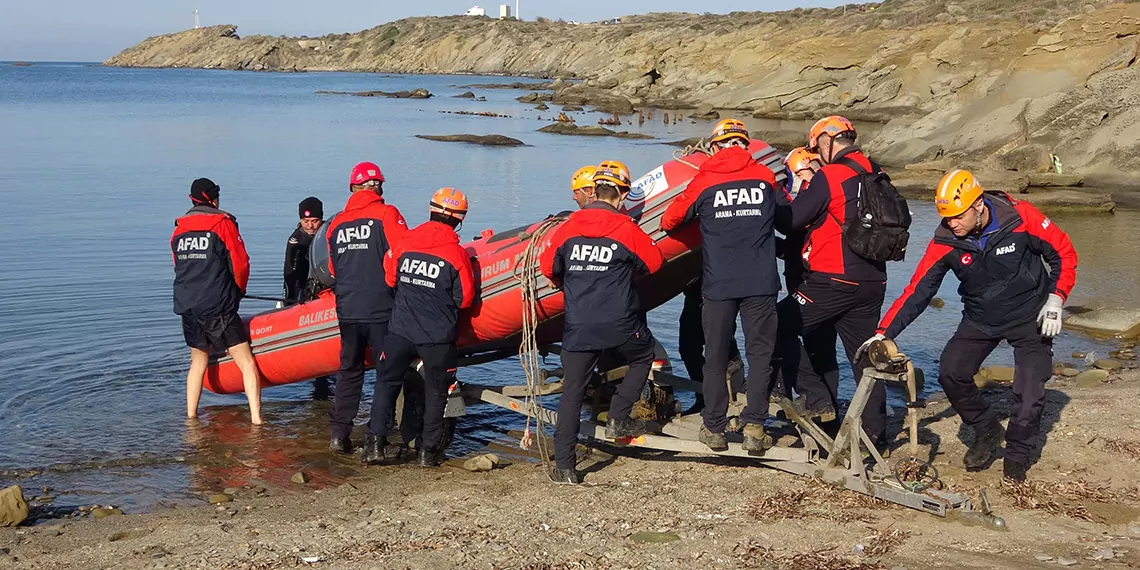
column 549, row 251
column 1053, row 245
column 390, row 271
column 395, row 228
column 644, row 248
column 239, row 259
column 329, row 242
column 681, row 209
column 466, row 277
column 917, row 295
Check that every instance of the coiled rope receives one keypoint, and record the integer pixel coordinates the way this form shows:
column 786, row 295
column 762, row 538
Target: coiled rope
column 702, row 146
column 527, row 272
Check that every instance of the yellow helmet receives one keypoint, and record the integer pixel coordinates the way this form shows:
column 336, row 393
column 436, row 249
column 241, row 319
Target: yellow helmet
column 729, row 128
column 957, row 191
column 583, row 178
column 614, row 172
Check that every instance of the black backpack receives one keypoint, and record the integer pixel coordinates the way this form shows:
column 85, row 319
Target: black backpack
column 880, row 231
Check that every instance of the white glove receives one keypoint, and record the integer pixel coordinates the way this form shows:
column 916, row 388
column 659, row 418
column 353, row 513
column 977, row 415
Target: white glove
column 1049, row 319
column 866, row 346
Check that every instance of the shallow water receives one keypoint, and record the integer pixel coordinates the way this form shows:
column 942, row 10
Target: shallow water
column 96, row 165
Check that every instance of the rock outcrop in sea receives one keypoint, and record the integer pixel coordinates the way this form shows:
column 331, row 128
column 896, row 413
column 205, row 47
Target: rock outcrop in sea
column 970, row 81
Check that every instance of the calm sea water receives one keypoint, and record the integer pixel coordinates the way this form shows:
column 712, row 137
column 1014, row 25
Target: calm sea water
column 96, row 164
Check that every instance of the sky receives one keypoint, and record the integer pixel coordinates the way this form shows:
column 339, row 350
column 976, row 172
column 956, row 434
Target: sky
column 90, row 30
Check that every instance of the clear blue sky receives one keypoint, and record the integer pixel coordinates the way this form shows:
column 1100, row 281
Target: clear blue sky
column 93, row 30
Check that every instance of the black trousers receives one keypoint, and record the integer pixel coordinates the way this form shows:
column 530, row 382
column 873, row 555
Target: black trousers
column 691, row 338
column 758, row 318
column 439, row 366
column 829, row 308
column 355, row 339
column 1033, row 366
column 576, row 369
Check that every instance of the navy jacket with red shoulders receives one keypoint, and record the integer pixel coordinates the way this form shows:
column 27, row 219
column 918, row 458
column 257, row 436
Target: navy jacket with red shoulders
column 211, row 267
column 433, row 279
column 823, row 208
column 358, row 239
column 737, row 202
column 593, row 256
column 1003, row 281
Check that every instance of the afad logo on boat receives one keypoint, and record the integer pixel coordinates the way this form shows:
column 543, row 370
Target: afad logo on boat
column 646, row 187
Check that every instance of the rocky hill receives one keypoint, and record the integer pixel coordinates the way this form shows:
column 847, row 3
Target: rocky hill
column 977, row 81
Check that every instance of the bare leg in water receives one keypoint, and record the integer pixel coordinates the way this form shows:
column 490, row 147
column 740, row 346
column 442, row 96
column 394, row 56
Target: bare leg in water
column 199, row 359
column 251, row 379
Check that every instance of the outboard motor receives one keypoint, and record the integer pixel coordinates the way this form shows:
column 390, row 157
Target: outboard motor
column 319, row 259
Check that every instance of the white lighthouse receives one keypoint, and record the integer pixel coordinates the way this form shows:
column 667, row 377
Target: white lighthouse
column 196, row 24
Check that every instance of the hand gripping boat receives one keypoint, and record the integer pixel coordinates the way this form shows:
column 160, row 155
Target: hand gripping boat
column 303, row 341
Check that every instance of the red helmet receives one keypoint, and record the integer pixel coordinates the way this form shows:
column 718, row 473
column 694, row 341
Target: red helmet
column 364, row 172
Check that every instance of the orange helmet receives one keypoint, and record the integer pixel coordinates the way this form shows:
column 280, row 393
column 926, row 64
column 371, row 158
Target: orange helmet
column 449, row 202
column 832, row 126
column 583, row 178
column 613, row 172
column 957, row 191
column 800, row 159
column 730, row 128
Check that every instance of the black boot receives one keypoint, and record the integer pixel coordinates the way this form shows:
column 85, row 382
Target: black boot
column 376, row 452
column 987, row 440
column 429, row 457
column 1014, row 471
column 571, row 476
column 340, row 444
column 625, row 428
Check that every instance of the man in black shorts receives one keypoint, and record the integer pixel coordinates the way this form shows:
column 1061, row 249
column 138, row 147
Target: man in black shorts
column 211, row 269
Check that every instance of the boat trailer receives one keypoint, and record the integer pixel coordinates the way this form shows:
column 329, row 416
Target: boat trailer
column 838, row 461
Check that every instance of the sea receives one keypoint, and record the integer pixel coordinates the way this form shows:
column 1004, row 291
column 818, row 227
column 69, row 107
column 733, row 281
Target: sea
column 95, row 165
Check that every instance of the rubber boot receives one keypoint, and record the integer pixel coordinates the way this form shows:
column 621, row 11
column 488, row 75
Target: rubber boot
column 1014, row 471
column 567, row 476
column 987, row 440
column 429, row 457
column 340, row 445
column 625, row 428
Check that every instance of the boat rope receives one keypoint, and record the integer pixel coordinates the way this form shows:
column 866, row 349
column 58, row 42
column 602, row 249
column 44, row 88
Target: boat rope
column 701, row 146
column 527, row 272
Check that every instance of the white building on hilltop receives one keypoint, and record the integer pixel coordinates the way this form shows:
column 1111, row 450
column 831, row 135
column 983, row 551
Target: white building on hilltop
column 504, row 11
column 475, row 11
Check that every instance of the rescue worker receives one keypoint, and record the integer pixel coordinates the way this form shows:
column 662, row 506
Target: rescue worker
column 311, row 212
column 791, row 360
column 582, row 185
column 998, row 249
column 358, row 239
column 736, row 201
column 433, row 279
column 211, row 270
column 841, row 293
column 593, row 257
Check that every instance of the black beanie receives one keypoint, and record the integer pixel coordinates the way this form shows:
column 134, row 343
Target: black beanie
column 204, row 190
column 311, row 207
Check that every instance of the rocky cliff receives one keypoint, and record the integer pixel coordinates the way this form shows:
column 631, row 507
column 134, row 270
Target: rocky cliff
column 975, row 81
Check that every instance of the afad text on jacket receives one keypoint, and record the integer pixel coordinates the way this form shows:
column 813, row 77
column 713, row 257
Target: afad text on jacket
column 737, row 201
column 1003, row 284
column 359, row 237
column 829, row 202
column 211, row 266
column 433, row 279
column 593, row 256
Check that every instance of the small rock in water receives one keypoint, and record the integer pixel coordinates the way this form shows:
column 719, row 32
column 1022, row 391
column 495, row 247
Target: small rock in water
column 1042, row 557
column 1107, row 364
column 300, row 478
column 1122, row 355
column 937, row 303
column 1070, row 372
column 219, row 498
column 1079, row 355
column 104, row 512
column 1091, row 378
column 654, row 537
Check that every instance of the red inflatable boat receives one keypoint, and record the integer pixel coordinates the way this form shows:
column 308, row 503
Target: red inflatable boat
column 303, row 341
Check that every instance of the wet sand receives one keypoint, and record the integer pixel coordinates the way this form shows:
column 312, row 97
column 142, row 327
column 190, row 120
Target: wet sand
column 648, row 510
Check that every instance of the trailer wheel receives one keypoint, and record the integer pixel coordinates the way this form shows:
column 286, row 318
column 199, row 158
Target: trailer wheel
column 412, row 416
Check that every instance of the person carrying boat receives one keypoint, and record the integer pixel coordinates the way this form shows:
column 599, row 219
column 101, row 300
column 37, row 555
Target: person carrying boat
column 735, row 200
column 358, row 239
column 593, row 257
column 211, row 271
column 998, row 248
column 296, row 274
column 842, row 292
column 433, row 280
column 582, row 186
